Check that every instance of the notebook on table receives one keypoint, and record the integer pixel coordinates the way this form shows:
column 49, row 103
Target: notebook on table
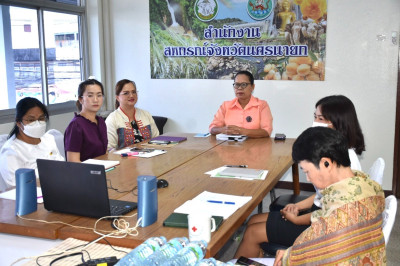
column 78, row 188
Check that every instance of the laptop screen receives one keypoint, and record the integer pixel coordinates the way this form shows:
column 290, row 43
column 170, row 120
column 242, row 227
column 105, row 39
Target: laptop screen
column 74, row 188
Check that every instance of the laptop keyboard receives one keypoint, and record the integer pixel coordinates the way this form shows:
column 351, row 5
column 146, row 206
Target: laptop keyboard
column 118, row 208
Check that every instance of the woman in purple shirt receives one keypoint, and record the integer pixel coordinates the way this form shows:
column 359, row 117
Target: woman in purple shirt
column 86, row 135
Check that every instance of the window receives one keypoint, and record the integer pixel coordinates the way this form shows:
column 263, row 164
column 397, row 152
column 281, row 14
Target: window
column 41, row 53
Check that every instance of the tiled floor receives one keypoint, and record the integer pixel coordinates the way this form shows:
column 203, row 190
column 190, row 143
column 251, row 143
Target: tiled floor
column 392, row 250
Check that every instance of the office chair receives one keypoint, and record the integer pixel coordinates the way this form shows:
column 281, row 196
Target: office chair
column 3, row 185
column 59, row 138
column 160, row 123
column 389, row 215
column 376, row 170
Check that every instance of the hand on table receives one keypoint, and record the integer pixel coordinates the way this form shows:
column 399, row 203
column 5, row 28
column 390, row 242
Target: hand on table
column 234, row 130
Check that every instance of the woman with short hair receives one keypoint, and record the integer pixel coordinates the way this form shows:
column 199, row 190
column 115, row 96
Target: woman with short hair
column 336, row 112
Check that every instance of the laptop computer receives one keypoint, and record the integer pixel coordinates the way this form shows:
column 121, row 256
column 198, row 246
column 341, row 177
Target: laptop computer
column 78, row 188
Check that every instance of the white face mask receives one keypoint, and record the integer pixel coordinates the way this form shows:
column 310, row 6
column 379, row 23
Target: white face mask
column 35, row 129
column 319, row 124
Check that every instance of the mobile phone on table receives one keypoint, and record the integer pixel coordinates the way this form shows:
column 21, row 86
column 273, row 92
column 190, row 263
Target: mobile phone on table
column 280, row 136
column 246, row 261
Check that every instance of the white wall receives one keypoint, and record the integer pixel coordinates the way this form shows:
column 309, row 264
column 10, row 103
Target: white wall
column 358, row 66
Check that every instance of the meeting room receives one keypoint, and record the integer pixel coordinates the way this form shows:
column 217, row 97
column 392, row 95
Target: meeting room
column 199, row 132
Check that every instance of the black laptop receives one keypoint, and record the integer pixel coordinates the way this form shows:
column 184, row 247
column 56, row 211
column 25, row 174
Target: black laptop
column 78, row 188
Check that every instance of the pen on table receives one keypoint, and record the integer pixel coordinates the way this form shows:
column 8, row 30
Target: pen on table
column 221, row 202
column 239, row 166
column 109, row 169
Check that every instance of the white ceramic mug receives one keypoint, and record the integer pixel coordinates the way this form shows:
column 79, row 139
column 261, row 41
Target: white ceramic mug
column 200, row 226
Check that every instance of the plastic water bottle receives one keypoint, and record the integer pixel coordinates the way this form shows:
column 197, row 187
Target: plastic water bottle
column 189, row 255
column 141, row 252
column 167, row 251
column 207, row 262
column 213, row 262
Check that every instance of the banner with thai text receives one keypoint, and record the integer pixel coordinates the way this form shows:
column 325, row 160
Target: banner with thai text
column 214, row 39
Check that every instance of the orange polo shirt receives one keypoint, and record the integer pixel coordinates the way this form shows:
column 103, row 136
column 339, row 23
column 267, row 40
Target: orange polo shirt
column 255, row 115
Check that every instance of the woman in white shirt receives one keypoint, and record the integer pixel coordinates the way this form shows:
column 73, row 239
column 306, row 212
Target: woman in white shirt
column 27, row 140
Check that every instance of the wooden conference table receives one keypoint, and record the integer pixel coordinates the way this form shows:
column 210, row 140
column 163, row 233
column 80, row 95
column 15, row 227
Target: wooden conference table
column 183, row 166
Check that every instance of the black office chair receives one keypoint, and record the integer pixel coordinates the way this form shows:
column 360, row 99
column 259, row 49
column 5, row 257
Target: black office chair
column 160, row 123
column 270, row 249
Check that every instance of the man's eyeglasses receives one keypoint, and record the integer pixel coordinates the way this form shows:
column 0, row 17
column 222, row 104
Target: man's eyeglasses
column 242, row 86
column 126, row 93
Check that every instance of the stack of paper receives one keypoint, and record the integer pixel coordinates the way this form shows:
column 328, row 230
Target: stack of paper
column 239, row 173
column 12, row 194
column 231, row 137
column 214, row 203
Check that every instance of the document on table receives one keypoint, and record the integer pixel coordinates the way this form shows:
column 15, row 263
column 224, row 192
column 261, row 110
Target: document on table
column 214, row 203
column 217, row 173
column 146, row 154
column 12, row 195
column 107, row 164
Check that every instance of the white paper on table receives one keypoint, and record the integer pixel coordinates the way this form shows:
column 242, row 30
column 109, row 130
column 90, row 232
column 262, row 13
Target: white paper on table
column 214, row 173
column 200, row 203
column 126, row 150
column 141, row 154
column 149, row 154
column 12, row 194
column 107, row 163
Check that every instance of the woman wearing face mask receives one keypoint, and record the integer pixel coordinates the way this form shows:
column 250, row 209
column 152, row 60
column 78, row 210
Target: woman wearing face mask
column 27, row 141
column 284, row 227
column 86, row 135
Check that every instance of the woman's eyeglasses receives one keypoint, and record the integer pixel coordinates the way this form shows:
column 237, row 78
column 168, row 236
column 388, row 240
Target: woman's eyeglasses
column 31, row 120
column 126, row 93
column 242, row 86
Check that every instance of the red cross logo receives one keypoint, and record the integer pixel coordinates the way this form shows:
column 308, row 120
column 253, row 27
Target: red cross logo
column 194, row 229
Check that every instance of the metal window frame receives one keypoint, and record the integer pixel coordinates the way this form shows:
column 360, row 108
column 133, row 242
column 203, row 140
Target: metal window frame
column 8, row 115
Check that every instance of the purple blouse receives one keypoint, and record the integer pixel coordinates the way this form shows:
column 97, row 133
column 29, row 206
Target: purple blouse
column 86, row 137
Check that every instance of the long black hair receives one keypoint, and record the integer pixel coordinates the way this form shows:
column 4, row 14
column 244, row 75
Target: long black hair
column 341, row 112
column 23, row 106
